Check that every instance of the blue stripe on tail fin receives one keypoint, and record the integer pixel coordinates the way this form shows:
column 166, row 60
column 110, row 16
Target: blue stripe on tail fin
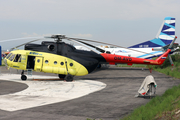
column 164, row 37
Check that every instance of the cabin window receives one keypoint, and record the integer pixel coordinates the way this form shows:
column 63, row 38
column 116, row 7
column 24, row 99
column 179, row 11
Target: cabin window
column 46, row 61
column 62, row 63
column 12, row 57
column 17, row 58
column 55, row 62
column 38, row 60
column 8, row 55
column 71, row 64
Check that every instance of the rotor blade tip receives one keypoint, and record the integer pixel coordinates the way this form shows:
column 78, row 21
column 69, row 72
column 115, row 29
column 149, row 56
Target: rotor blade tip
column 176, row 37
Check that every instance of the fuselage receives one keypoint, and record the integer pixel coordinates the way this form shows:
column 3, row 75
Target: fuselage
column 61, row 58
column 51, row 57
column 50, row 63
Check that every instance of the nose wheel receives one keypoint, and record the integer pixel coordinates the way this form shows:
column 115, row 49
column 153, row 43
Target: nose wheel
column 23, row 77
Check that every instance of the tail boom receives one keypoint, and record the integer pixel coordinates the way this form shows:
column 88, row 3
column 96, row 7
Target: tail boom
column 112, row 58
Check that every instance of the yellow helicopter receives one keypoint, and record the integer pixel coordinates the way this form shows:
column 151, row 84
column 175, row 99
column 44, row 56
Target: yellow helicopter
column 65, row 60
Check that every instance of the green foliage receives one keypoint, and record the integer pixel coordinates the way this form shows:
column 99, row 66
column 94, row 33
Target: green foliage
column 175, row 59
column 166, row 68
column 167, row 102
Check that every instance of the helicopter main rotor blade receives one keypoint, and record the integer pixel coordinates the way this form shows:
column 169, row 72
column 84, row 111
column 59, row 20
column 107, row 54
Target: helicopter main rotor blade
column 111, row 45
column 84, row 45
column 24, row 44
column 97, row 48
column 20, row 39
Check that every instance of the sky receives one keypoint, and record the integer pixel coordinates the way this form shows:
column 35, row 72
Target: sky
column 119, row 22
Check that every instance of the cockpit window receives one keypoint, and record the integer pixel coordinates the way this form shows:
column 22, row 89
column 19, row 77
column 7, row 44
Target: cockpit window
column 12, row 57
column 8, row 55
column 17, row 58
column 20, row 59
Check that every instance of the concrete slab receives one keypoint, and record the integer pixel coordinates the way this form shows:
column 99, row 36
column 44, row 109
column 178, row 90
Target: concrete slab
column 111, row 103
column 41, row 93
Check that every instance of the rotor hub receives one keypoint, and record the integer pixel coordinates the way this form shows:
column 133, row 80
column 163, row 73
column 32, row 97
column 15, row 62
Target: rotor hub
column 58, row 38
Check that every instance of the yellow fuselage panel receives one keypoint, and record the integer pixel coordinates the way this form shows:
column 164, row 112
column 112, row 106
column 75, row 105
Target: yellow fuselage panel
column 47, row 62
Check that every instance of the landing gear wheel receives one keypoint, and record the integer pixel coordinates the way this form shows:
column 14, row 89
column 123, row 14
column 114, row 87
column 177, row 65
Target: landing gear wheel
column 23, row 77
column 61, row 76
column 69, row 78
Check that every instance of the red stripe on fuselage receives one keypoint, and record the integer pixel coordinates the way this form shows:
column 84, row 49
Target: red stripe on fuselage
column 112, row 58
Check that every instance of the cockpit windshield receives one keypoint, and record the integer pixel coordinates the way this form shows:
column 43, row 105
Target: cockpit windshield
column 12, row 57
column 18, row 57
column 8, row 55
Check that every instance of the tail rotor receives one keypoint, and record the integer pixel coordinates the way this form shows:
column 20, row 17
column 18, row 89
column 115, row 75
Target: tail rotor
column 170, row 47
column 170, row 59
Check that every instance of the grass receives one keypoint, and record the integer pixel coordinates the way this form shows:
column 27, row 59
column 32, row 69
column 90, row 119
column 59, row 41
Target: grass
column 167, row 69
column 159, row 105
column 165, row 106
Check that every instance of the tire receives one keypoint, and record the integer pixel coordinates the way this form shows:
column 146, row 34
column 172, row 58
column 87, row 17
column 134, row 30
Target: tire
column 69, row 78
column 61, row 76
column 23, row 77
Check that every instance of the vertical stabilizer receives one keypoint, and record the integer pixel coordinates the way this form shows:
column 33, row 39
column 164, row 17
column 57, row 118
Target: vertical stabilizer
column 164, row 36
column 167, row 31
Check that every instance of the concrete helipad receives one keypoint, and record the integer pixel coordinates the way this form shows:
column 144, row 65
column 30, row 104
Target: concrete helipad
column 111, row 103
column 41, row 93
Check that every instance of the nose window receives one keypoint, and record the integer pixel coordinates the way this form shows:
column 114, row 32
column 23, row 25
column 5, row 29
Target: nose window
column 12, row 57
column 8, row 55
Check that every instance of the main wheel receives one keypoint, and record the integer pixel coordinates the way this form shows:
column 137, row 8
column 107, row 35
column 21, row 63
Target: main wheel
column 61, row 76
column 23, row 77
column 69, row 78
